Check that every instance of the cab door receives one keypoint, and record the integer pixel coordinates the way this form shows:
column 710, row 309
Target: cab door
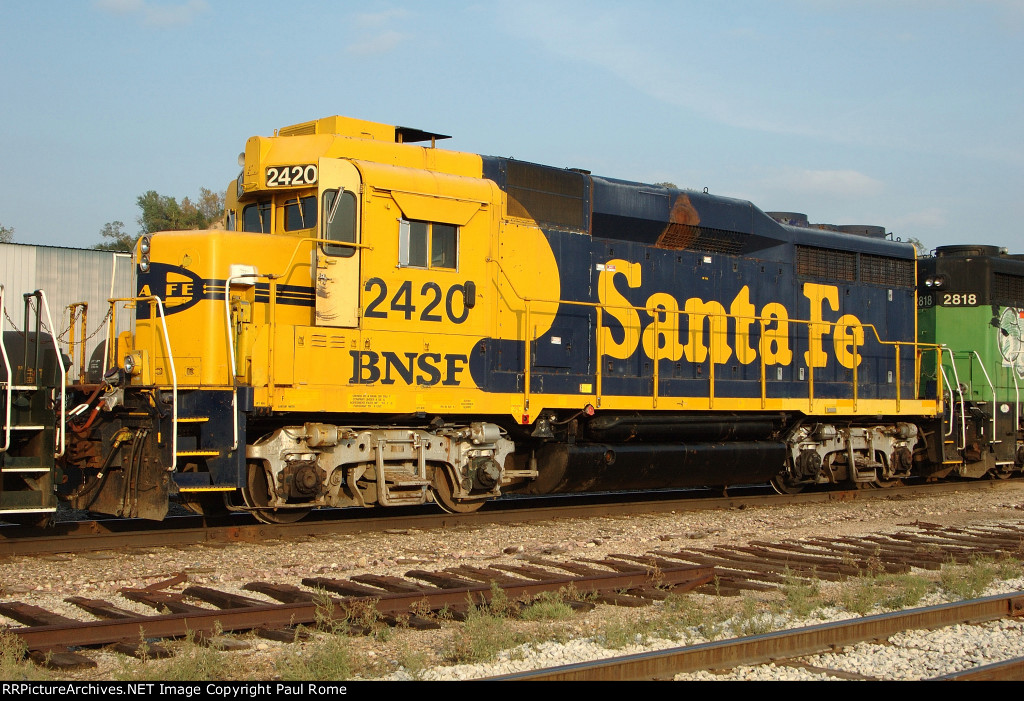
column 337, row 264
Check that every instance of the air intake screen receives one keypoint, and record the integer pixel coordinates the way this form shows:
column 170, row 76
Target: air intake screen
column 825, row 263
column 546, row 195
column 1008, row 290
column 842, row 265
column 880, row 270
column 699, row 238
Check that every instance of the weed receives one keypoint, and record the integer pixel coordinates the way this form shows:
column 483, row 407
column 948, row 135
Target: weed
column 500, row 606
column 802, row 595
column 192, row 661
column 903, row 590
column 631, row 631
column 480, row 638
column 13, row 664
column 547, row 607
column 969, row 581
column 325, row 660
column 887, row 591
column 751, row 620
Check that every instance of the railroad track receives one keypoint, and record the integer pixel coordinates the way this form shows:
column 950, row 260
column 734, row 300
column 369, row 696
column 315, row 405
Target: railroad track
column 792, row 646
column 117, row 534
column 50, row 637
column 620, row 579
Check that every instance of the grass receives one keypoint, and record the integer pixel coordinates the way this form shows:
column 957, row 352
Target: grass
column 191, row 661
column 970, row 580
column 885, row 591
column 547, row 607
column 802, row 596
column 14, row 666
column 328, row 659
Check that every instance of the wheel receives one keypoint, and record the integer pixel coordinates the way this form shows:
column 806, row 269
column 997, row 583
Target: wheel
column 781, row 486
column 443, row 495
column 257, row 496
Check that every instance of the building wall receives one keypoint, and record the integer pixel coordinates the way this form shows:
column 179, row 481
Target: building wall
column 66, row 276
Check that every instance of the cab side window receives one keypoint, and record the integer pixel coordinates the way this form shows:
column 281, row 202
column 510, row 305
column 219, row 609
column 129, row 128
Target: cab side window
column 430, row 245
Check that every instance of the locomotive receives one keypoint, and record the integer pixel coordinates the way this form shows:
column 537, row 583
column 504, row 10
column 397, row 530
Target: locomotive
column 385, row 322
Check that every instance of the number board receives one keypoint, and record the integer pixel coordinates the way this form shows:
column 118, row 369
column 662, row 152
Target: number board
column 291, row 176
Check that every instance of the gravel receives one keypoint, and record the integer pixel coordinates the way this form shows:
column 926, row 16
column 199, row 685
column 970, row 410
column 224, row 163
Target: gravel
column 409, row 654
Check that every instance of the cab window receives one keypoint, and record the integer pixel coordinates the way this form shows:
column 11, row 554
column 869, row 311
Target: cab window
column 339, row 207
column 300, row 213
column 430, row 245
column 256, row 218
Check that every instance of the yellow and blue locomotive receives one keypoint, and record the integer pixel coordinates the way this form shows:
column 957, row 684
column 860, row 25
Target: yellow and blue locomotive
column 384, row 322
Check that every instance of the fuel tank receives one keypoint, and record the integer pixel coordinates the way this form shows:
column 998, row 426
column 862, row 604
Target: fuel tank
column 601, row 467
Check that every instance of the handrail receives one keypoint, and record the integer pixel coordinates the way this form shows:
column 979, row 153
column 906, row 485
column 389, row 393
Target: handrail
column 231, row 354
column 1016, row 392
column 992, row 389
column 952, row 404
column 63, row 373
column 960, row 391
column 72, row 342
column 170, row 362
column 656, row 311
column 10, row 376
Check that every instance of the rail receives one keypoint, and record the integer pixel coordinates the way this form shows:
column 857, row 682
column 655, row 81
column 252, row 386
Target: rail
column 656, row 313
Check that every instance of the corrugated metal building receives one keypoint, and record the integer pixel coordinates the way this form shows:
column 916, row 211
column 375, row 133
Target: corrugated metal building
column 67, row 276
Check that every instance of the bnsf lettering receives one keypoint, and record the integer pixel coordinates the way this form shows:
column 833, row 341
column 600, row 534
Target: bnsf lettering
column 387, row 368
column 707, row 334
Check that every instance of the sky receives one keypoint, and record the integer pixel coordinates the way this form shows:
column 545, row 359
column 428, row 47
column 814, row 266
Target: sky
column 906, row 114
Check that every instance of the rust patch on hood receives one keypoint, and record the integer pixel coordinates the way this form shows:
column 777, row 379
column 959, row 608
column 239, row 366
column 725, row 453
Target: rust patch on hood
column 681, row 229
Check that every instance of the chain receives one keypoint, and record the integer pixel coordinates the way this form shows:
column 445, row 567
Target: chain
column 62, row 337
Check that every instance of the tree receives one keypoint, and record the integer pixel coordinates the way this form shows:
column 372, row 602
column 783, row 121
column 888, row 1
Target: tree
column 6, row 234
column 163, row 213
column 120, row 240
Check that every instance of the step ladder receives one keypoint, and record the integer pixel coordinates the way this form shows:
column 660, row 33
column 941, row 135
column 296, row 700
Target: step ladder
column 33, row 398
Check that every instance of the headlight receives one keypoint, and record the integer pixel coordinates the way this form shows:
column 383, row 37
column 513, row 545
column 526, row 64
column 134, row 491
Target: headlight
column 930, row 282
column 144, row 245
column 129, row 364
column 939, row 281
column 144, row 263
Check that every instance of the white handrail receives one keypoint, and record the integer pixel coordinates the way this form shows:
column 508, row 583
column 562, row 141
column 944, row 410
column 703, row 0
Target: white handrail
column 10, row 378
column 959, row 390
column 63, row 373
column 992, row 389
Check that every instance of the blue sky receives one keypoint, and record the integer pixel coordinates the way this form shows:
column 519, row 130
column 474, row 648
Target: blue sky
column 900, row 113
